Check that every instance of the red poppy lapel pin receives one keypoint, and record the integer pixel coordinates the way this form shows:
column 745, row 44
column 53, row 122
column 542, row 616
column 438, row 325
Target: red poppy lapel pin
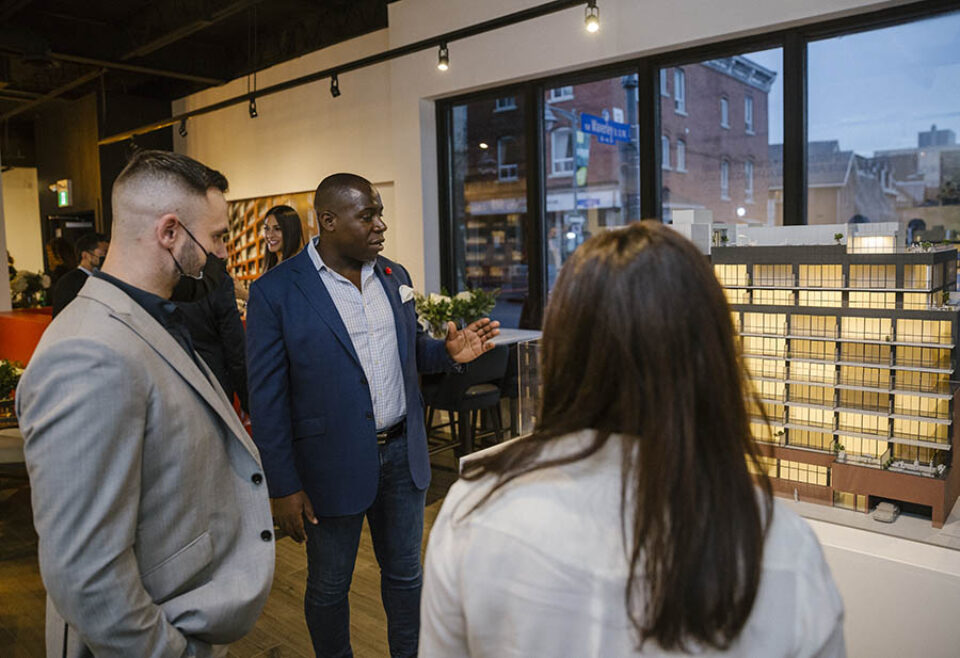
column 387, row 271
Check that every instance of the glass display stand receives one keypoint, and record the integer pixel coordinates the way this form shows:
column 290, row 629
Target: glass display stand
column 529, row 386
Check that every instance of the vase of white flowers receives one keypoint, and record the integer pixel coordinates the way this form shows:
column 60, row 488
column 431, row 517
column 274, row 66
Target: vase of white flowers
column 29, row 289
column 435, row 310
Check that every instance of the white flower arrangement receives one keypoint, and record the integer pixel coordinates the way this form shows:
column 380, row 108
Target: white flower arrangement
column 435, row 310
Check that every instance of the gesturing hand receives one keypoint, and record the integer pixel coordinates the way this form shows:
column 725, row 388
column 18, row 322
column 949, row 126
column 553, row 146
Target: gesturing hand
column 289, row 512
column 465, row 345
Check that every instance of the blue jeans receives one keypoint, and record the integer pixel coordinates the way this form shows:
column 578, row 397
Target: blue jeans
column 396, row 525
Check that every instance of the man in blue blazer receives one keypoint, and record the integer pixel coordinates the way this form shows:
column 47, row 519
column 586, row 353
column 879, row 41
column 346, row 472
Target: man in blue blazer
column 334, row 350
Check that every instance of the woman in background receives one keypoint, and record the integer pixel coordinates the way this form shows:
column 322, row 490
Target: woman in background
column 282, row 235
column 628, row 523
column 60, row 259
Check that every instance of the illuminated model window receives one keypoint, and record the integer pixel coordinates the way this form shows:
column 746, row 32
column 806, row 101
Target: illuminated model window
column 773, row 275
column 832, row 298
column 821, row 276
column 773, row 297
column 873, row 276
column 873, row 300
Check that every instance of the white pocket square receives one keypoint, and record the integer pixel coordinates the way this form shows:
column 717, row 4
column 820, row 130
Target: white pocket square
column 406, row 293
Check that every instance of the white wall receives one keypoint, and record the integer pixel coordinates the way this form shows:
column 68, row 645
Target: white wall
column 383, row 126
column 21, row 211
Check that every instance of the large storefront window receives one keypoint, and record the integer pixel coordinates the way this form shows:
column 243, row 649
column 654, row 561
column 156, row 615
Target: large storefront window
column 593, row 163
column 727, row 130
column 882, row 126
column 489, row 201
column 721, row 143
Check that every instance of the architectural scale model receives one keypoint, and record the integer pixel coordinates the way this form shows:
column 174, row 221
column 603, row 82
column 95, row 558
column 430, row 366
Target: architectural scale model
column 851, row 349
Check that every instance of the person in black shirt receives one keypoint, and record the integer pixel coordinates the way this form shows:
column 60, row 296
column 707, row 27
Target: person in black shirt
column 209, row 308
column 91, row 249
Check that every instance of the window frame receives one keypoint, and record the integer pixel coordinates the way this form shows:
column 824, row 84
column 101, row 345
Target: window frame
column 680, row 91
column 793, row 42
column 504, row 166
column 564, row 172
column 748, row 116
column 498, row 107
column 681, row 155
column 725, row 179
column 564, row 94
column 665, row 152
column 725, row 112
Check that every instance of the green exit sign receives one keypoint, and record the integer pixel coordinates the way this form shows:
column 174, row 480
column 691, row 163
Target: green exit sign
column 64, row 192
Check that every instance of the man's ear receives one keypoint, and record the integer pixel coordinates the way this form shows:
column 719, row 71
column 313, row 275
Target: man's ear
column 166, row 230
column 327, row 221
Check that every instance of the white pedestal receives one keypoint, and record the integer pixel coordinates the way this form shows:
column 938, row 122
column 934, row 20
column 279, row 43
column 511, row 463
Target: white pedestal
column 902, row 597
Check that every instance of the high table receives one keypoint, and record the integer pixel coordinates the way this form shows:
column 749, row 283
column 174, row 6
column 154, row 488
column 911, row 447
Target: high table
column 511, row 336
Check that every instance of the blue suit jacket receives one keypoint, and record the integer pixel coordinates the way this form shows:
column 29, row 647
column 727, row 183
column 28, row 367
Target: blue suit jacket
column 309, row 399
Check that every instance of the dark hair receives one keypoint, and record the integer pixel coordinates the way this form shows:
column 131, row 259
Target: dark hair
column 290, row 229
column 61, row 249
column 194, row 175
column 87, row 242
column 331, row 189
column 638, row 342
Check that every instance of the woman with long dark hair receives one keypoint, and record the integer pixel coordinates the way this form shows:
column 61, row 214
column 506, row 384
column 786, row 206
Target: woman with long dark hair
column 628, row 522
column 282, row 235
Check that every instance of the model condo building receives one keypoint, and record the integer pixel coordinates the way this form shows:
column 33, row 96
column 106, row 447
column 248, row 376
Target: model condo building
column 851, row 352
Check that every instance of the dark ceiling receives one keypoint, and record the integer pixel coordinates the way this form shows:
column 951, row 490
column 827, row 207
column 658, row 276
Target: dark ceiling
column 161, row 49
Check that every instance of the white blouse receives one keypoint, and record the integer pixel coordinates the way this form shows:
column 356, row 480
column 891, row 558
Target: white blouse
column 540, row 570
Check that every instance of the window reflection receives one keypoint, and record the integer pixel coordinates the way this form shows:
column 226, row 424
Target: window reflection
column 593, row 170
column 489, row 202
column 721, row 122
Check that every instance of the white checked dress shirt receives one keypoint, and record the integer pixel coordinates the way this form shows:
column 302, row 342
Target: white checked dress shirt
column 370, row 322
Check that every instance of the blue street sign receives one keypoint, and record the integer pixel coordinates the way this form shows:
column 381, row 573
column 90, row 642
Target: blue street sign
column 607, row 132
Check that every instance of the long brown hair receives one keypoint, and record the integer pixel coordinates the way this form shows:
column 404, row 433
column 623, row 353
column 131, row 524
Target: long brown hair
column 289, row 222
column 638, row 342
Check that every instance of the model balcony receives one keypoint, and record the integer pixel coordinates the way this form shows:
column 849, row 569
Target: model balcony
column 916, row 468
column 919, row 441
column 868, row 461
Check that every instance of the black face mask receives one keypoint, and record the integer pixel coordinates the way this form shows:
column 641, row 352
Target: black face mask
column 207, row 254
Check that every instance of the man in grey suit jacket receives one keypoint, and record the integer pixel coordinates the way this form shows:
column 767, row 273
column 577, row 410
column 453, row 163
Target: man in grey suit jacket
column 150, row 504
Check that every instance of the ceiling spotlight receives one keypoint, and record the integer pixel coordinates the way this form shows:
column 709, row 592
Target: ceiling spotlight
column 253, row 108
column 183, row 128
column 443, row 60
column 334, row 86
column 484, row 146
column 592, row 16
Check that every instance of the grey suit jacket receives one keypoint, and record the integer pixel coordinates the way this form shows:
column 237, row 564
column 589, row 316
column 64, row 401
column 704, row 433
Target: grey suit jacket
column 148, row 495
